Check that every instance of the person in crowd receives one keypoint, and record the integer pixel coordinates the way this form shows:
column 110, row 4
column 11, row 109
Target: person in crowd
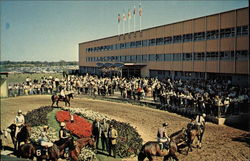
column 96, row 128
column 162, row 136
column 104, row 135
column 19, row 121
column 112, row 135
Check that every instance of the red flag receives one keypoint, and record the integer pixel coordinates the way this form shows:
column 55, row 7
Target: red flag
column 119, row 18
column 124, row 17
column 140, row 11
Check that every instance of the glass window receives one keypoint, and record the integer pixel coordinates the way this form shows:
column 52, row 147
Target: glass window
column 152, row 42
column 212, row 34
column 226, row 55
column 144, row 42
column 238, row 31
column 133, row 44
column 244, row 30
column 242, row 55
column 127, row 45
column 159, row 41
column 145, row 58
column 160, row 57
column 127, row 58
column 187, row 37
column 198, row 56
column 212, row 55
column 168, row 57
column 133, row 58
column 177, row 39
column 177, row 57
column 138, row 43
column 122, row 45
column 139, row 58
column 152, row 57
column 123, row 59
column 187, row 56
column 167, row 40
column 199, row 36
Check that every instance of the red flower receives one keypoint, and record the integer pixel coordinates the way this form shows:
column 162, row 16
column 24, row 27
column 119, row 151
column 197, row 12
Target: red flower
column 80, row 127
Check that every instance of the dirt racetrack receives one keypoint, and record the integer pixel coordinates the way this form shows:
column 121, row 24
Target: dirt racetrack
column 220, row 143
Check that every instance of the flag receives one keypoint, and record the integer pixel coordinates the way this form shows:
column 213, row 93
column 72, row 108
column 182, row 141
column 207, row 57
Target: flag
column 134, row 10
column 129, row 14
column 124, row 17
column 140, row 11
column 119, row 18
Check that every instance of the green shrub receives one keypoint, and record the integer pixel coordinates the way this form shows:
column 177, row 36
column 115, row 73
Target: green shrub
column 38, row 116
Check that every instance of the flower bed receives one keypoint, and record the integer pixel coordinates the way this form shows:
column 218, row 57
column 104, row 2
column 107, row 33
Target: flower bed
column 38, row 116
column 80, row 127
column 37, row 130
column 129, row 142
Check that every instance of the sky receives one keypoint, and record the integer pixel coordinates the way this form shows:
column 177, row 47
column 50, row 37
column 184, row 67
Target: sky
column 52, row 30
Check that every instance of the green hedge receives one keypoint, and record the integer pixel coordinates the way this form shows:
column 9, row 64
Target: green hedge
column 38, row 116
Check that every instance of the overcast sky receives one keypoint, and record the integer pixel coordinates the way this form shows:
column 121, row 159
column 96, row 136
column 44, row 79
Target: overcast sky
column 52, row 30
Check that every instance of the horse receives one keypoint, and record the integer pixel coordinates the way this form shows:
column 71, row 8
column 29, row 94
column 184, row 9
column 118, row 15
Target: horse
column 62, row 144
column 179, row 137
column 80, row 143
column 55, row 152
column 193, row 132
column 152, row 149
column 22, row 136
column 66, row 99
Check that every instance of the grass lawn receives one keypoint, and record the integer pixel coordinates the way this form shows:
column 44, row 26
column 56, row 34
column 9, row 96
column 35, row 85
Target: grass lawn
column 19, row 78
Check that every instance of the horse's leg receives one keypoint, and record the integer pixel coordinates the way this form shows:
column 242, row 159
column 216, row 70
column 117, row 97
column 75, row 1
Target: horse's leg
column 57, row 103
column 141, row 156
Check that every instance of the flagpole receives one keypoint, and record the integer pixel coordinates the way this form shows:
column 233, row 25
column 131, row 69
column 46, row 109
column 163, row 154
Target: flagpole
column 123, row 25
column 134, row 16
column 140, row 13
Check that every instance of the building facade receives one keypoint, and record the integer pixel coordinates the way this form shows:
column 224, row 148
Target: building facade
column 214, row 46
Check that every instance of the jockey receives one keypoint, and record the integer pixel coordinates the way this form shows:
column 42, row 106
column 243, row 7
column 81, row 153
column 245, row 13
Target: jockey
column 19, row 121
column 63, row 133
column 44, row 139
column 200, row 122
column 62, row 93
column 162, row 136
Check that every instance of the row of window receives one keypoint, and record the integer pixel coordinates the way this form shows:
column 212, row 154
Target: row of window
column 209, row 35
column 223, row 55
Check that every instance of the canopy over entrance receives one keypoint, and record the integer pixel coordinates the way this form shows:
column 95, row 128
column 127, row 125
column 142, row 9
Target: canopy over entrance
column 121, row 69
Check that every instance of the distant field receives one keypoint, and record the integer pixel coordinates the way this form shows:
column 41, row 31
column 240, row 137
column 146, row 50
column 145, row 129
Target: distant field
column 19, row 78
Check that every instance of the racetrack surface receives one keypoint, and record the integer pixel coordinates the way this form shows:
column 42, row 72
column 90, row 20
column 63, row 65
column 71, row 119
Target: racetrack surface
column 220, row 143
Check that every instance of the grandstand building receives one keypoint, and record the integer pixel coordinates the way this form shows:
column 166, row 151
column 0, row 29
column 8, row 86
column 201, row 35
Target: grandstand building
column 214, row 46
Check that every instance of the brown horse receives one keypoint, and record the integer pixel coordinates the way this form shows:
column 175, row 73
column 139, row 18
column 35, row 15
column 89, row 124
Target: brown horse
column 22, row 136
column 179, row 137
column 192, row 133
column 66, row 99
column 152, row 148
column 55, row 152
column 80, row 143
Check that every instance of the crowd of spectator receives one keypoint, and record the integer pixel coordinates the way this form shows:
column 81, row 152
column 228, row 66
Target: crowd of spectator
column 213, row 97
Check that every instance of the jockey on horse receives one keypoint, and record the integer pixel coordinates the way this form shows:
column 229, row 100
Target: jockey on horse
column 44, row 139
column 162, row 137
column 62, row 94
column 19, row 121
column 64, row 134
